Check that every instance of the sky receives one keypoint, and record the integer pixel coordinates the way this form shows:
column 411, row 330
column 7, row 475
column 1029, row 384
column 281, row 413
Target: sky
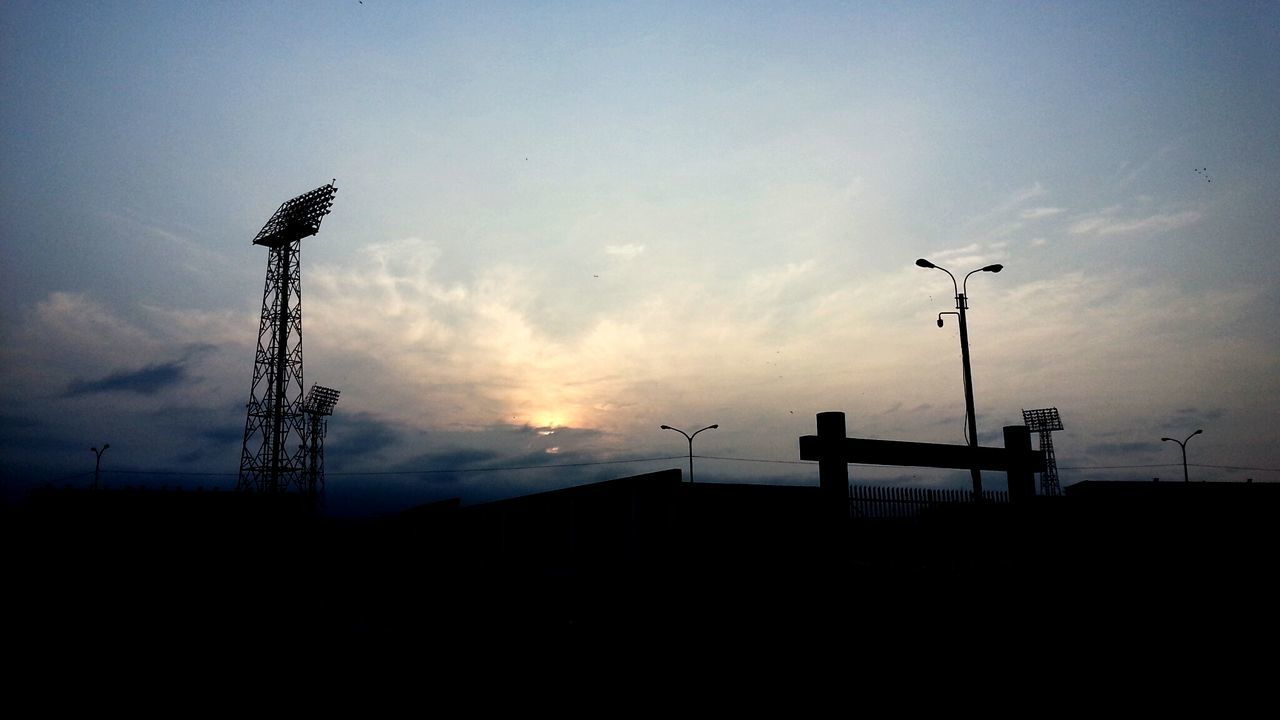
column 561, row 225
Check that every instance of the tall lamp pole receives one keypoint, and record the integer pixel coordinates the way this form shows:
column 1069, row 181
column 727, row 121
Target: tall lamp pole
column 690, row 438
column 97, row 462
column 962, row 304
column 1183, row 445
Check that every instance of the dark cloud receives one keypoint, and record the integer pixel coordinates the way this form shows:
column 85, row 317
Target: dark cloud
column 28, row 434
column 557, row 431
column 1191, row 414
column 1122, row 448
column 147, row 381
column 454, row 459
column 353, row 438
column 223, row 435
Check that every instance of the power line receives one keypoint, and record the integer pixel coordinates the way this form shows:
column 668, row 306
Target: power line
column 1196, row 465
column 1119, row 467
column 511, row 467
column 550, row 466
column 758, row 460
column 1074, row 467
column 1234, row 467
column 167, row 472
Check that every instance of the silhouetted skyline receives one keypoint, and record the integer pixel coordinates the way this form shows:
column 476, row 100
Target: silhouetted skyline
column 563, row 227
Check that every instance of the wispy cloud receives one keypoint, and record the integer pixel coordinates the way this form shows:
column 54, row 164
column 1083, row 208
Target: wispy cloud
column 628, row 251
column 1041, row 212
column 1160, row 222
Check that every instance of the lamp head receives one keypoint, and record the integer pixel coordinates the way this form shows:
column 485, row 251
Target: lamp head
column 1167, row 440
column 665, row 427
column 993, row 268
column 925, row 263
column 1197, row 432
column 713, row 427
column 939, row 321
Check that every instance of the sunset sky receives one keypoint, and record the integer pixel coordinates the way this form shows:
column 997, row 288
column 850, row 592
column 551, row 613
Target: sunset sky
column 561, row 225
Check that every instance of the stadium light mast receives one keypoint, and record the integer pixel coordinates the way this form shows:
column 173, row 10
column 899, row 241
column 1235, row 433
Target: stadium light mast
column 319, row 405
column 1045, row 421
column 274, row 420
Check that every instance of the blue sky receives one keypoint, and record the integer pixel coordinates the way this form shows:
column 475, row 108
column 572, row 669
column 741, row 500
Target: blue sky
column 597, row 218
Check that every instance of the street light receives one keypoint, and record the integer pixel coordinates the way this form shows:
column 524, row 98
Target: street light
column 690, row 438
column 962, row 304
column 97, row 463
column 1183, row 445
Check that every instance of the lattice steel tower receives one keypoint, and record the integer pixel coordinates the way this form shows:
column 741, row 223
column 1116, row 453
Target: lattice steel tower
column 273, row 457
column 1045, row 421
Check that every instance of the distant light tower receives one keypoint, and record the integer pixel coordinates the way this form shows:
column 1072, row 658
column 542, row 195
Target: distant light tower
column 97, row 462
column 319, row 405
column 1183, row 445
column 274, row 422
column 1045, row 421
column 962, row 304
column 690, row 439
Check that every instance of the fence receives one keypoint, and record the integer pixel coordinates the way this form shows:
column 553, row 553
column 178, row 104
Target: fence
column 871, row 502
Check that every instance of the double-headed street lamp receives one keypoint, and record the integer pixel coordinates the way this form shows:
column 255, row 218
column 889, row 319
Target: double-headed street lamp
column 97, row 463
column 688, row 437
column 962, row 304
column 1183, row 445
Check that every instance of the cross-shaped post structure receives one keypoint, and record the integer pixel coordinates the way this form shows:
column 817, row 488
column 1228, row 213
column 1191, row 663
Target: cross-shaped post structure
column 834, row 452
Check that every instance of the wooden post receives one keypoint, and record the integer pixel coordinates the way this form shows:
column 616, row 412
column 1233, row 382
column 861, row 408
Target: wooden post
column 1022, row 478
column 833, row 468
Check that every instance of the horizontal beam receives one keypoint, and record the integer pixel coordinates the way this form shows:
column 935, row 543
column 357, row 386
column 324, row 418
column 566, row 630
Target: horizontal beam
column 913, row 454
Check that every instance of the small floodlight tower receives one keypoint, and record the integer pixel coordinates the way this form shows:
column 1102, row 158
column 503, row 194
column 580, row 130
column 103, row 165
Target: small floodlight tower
column 318, row 406
column 274, row 422
column 1045, row 421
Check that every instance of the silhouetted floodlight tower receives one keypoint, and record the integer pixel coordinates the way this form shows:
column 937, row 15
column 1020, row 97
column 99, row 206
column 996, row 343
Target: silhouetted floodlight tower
column 318, row 405
column 1183, row 445
column 1045, row 421
column 97, row 462
column 690, row 438
column 962, row 304
column 275, row 421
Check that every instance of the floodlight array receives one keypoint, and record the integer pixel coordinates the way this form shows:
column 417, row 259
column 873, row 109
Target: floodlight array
column 320, row 400
column 1042, row 420
column 297, row 218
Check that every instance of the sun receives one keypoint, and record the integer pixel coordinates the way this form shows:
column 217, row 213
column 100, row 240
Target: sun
column 550, row 421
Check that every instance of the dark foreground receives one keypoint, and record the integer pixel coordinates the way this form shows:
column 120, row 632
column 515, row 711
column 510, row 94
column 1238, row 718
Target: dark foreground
column 643, row 567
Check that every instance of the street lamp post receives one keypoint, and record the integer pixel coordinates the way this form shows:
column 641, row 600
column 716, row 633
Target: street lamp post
column 690, row 438
column 97, row 462
column 962, row 304
column 1183, row 445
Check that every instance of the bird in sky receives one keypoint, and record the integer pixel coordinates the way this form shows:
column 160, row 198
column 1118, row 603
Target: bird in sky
column 1204, row 173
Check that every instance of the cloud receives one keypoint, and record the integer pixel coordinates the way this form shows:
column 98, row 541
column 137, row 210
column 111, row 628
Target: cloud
column 970, row 249
column 1192, row 414
column 1160, row 222
column 1122, row 448
column 358, row 437
column 628, row 251
column 449, row 460
column 998, row 215
column 146, row 381
column 1041, row 212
